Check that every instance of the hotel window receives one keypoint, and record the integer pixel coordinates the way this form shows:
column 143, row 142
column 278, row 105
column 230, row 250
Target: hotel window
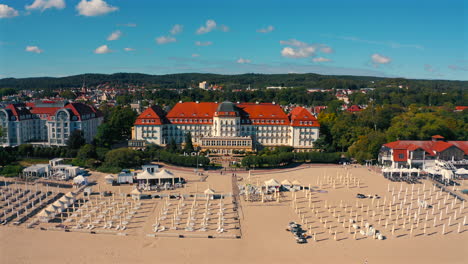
column 401, row 156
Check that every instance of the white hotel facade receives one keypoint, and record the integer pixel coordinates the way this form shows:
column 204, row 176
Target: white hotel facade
column 224, row 127
column 47, row 123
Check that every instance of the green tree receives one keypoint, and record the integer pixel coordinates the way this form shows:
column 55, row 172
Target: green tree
column 104, row 135
column 6, row 158
column 367, row 147
column 87, row 151
column 188, row 143
column 26, row 150
column 122, row 158
column 67, row 94
column 76, row 139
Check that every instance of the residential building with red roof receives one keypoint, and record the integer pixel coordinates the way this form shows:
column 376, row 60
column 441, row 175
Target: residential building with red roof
column 224, row 127
column 47, row 122
column 422, row 153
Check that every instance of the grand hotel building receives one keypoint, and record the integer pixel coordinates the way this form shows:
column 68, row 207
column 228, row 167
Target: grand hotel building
column 224, row 127
column 48, row 123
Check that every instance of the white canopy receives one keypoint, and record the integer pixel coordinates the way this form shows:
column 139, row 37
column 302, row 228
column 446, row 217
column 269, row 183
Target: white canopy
column 53, row 208
column 461, row 171
column 163, row 174
column 58, row 204
column 296, row 182
column 109, row 177
column 272, row 182
column 79, row 179
column 286, row 182
column 145, row 175
column 209, row 191
column 136, row 192
column 45, row 213
column 447, row 174
column 70, row 195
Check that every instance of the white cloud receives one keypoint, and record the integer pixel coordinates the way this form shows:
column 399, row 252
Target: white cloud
column 165, row 39
column 6, row 11
column 321, row 59
column 224, row 28
column 114, row 35
column 129, row 49
column 268, row 29
column 46, row 4
column 102, row 50
column 176, row 29
column 325, row 49
column 299, row 49
column 195, row 55
column 242, row 61
column 210, row 25
column 94, row 8
column 34, row 49
column 380, row 59
column 203, row 43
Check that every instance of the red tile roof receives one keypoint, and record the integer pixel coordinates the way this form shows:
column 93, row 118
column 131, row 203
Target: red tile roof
column 460, row 108
column 354, row 108
column 429, row 146
column 77, row 109
column 301, row 117
column 463, row 145
column 20, row 111
column 250, row 113
column 192, row 111
column 263, row 113
column 153, row 115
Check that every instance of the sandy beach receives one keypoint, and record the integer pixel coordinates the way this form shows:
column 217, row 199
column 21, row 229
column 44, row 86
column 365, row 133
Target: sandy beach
column 262, row 226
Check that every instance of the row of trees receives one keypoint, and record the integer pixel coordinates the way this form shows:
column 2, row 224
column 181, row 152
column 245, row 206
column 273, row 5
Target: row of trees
column 282, row 158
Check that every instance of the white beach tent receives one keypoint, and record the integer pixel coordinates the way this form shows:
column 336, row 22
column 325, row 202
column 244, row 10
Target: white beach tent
column 272, row 183
column 80, row 180
column 136, row 194
column 286, row 183
column 109, row 179
column 209, row 191
column 45, row 215
column 447, row 174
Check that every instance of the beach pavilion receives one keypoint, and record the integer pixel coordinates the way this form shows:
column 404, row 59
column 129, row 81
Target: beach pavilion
column 157, row 178
column 272, row 184
column 209, row 193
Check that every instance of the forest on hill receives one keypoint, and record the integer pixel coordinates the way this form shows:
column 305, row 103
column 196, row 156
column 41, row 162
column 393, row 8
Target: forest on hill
column 241, row 81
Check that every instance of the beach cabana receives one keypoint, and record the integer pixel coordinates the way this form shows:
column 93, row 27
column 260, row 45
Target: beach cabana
column 157, row 178
column 272, row 184
column 462, row 173
column 296, row 184
column 126, row 176
column 209, row 192
column 80, row 180
column 109, row 179
column 136, row 194
column 286, row 184
column 45, row 215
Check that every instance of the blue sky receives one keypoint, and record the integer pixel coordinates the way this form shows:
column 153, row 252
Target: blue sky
column 411, row 39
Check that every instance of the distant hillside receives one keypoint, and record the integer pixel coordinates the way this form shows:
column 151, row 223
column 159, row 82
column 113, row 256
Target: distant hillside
column 184, row 80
